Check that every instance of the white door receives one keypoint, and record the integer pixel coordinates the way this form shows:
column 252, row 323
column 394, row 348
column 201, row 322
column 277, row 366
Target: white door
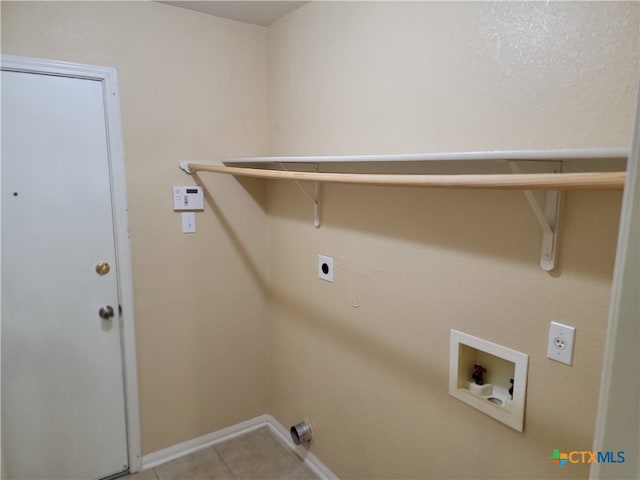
column 63, row 404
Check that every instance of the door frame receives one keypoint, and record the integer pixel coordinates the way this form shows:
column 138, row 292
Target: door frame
column 115, row 147
column 619, row 370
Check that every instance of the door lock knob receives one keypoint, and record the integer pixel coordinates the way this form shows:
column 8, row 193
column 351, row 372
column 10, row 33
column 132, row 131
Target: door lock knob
column 106, row 312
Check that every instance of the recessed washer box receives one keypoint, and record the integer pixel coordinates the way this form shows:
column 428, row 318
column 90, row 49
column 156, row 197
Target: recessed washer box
column 501, row 365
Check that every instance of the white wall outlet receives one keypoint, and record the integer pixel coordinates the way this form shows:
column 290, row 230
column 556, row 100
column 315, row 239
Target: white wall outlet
column 325, row 268
column 188, row 222
column 560, row 344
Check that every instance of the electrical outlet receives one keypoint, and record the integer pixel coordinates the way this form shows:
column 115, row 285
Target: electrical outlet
column 325, row 268
column 560, row 344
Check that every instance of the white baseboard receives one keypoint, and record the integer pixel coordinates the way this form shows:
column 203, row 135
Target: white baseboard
column 190, row 446
column 310, row 460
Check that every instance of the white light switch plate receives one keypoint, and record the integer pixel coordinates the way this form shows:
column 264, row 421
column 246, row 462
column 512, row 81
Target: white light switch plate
column 188, row 222
column 560, row 343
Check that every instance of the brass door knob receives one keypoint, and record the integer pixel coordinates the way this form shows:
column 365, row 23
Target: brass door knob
column 102, row 268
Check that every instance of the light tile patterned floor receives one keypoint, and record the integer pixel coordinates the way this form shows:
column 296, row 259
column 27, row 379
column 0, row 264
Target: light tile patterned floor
column 258, row 455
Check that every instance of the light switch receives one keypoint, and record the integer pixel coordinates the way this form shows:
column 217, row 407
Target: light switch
column 188, row 222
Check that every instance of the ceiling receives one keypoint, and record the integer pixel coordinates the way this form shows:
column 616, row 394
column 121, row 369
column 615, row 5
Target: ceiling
column 257, row 12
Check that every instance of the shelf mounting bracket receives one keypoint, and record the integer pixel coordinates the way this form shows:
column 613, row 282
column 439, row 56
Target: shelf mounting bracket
column 547, row 216
column 313, row 196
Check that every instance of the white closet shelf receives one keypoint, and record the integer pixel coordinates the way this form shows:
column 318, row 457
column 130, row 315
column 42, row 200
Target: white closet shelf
column 518, row 181
column 530, row 155
column 553, row 183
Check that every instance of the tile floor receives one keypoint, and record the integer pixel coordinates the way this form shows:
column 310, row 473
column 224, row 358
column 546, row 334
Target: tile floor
column 258, row 455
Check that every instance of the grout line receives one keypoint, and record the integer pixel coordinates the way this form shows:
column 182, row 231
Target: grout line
column 317, row 468
column 312, row 462
column 191, row 446
column 213, row 447
column 268, row 459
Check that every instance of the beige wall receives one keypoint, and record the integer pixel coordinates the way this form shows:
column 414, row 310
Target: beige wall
column 359, row 78
column 192, row 86
column 413, row 77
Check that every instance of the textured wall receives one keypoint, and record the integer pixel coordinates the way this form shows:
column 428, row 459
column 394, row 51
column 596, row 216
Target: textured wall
column 366, row 357
column 192, row 86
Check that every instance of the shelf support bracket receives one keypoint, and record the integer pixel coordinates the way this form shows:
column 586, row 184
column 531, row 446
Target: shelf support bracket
column 314, row 197
column 547, row 216
column 185, row 166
